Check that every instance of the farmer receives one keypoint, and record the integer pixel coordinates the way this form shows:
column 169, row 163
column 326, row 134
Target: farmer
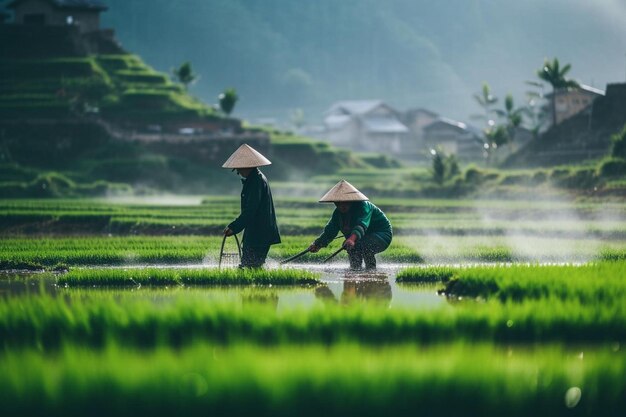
column 257, row 217
column 365, row 227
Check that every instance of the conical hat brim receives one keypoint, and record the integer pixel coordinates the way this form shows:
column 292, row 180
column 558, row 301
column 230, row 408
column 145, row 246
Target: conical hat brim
column 246, row 157
column 343, row 191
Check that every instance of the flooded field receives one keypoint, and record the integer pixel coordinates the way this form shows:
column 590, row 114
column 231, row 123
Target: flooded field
column 457, row 318
column 337, row 284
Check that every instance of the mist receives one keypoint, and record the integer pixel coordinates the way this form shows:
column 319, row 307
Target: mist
column 285, row 54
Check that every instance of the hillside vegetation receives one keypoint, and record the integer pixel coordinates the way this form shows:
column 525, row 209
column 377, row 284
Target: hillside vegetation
column 60, row 115
column 109, row 84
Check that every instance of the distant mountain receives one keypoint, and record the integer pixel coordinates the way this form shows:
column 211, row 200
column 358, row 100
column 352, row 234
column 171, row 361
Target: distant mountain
column 285, row 54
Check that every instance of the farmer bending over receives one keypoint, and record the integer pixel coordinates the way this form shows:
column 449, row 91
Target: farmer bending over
column 257, row 217
column 365, row 227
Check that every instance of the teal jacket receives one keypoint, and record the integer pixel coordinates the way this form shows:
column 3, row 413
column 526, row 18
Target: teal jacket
column 364, row 218
column 257, row 217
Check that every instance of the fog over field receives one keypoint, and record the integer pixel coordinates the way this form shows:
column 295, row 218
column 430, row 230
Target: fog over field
column 286, row 54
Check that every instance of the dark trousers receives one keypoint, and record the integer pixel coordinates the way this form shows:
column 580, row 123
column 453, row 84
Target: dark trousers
column 253, row 256
column 364, row 250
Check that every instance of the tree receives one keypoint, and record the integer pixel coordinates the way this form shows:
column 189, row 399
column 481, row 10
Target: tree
column 227, row 100
column 497, row 136
column 553, row 74
column 444, row 166
column 486, row 101
column 452, row 166
column 512, row 115
column 184, row 74
column 513, row 118
column 536, row 109
column 439, row 167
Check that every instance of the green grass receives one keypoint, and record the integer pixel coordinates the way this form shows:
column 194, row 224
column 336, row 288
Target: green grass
column 297, row 216
column 595, row 284
column 180, row 276
column 592, row 284
column 314, row 381
column 177, row 250
column 509, row 339
column 75, row 251
column 426, row 274
column 97, row 318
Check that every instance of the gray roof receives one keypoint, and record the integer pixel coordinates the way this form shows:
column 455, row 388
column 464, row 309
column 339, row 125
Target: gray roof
column 355, row 106
column 581, row 87
column 95, row 5
column 336, row 121
column 422, row 111
column 384, row 125
column 444, row 121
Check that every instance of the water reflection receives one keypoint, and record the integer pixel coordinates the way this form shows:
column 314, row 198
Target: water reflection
column 373, row 288
column 14, row 284
column 339, row 287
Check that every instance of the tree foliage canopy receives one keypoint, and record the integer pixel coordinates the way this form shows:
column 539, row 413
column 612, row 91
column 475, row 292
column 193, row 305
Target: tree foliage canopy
column 227, row 100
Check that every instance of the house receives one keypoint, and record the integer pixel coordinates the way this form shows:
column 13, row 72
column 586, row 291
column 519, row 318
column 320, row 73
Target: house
column 609, row 112
column 416, row 120
column 454, row 137
column 571, row 101
column 367, row 126
column 83, row 14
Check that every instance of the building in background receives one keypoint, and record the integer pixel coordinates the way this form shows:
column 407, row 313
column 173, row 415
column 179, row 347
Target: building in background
column 454, row 138
column 571, row 101
column 416, row 120
column 367, row 126
column 83, row 14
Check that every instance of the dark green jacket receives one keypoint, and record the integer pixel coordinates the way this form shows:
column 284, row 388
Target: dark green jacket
column 363, row 218
column 257, row 217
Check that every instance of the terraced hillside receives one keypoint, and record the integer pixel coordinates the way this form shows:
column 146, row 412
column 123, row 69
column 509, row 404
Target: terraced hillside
column 108, row 84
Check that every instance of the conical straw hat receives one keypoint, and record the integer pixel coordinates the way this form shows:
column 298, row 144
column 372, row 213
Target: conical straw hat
column 343, row 191
column 246, row 157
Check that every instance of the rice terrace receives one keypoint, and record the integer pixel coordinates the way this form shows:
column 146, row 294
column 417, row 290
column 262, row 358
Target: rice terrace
column 312, row 208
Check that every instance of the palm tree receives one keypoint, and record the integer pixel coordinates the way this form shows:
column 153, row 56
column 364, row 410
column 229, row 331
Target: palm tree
column 555, row 76
column 485, row 100
column 536, row 108
column 513, row 116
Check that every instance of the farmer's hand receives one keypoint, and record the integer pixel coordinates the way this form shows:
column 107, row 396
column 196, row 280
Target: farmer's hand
column 313, row 248
column 228, row 232
column 350, row 242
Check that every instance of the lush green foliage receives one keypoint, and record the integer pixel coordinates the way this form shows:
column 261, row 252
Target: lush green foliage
column 159, row 343
column 131, row 319
column 116, row 83
column 594, row 284
column 426, row 274
column 305, row 216
column 425, row 230
column 315, row 380
column 180, row 276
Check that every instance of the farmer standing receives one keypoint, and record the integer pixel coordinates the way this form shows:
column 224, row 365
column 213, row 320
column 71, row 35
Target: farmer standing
column 257, row 217
column 365, row 227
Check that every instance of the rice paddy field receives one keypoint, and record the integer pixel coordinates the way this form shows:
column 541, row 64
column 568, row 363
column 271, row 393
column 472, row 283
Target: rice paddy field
column 478, row 308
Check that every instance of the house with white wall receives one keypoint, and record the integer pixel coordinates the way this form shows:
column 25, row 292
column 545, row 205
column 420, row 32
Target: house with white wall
column 571, row 101
column 454, row 138
column 366, row 126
